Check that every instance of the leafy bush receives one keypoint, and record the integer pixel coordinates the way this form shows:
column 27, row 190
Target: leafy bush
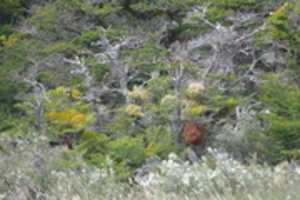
column 99, row 70
column 236, row 4
column 14, row 59
column 125, row 153
column 128, row 154
column 10, row 9
column 281, row 136
column 8, row 101
column 60, row 47
column 149, row 57
column 160, row 142
column 65, row 112
column 283, row 28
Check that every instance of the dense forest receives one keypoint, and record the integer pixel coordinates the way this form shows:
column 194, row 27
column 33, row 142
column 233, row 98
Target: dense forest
column 149, row 99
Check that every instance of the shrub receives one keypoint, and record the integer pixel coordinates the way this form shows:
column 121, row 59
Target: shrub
column 65, row 111
column 126, row 153
column 160, row 86
column 134, row 110
column 160, row 142
column 60, row 47
column 99, row 70
column 281, row 136
column 139, row 94
column 148, row 57
column 88, row 37
column 10, row 9
column 283, row 28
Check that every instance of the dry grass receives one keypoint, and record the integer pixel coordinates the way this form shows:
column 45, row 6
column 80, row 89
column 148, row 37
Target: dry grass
column 32, row 171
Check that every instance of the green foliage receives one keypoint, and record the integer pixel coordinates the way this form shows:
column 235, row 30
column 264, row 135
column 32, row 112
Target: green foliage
column 127, row 153
column 14, row 53
column 124, row 122
column 190, row 30
column 14, row 59
column 281, row 136
column 7, row 90
column 236, row 4
column 160, row 142
column 46, row 18
column 57, row 21
column 240, row 5
column 128, row 150
column 215, row 14
column 219, row 10
column 221, row 103
column 283, row 28
column 159, row 86
column 98, row 70
column 10, row 9
column 148, row 57
column 60, row 47
column 103, row 11
column 46, row 77
column 138, row 122
column 94, row 147
column 164, row 5
column 279, row 21
column 88, row 37
column 8, row 100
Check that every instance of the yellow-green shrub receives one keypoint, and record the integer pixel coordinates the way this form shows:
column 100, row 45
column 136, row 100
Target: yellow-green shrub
column 65, row 111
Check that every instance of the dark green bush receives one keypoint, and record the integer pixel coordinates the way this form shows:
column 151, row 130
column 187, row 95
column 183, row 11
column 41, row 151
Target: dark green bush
column 281, row 137
column 127, row 153
column 10, row 9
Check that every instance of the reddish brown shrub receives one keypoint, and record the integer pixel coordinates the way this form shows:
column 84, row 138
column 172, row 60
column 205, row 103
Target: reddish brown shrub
column 194, row 133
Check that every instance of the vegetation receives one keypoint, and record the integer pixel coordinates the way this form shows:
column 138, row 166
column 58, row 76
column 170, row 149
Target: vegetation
column 10, row 9
column 110, row 85
column 282, row 117
column 217, row 176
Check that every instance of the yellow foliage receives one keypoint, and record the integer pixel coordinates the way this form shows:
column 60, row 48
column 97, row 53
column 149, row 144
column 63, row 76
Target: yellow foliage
column 75, row 94
column 198, row 110
column 78, row 119
column 68, row 117
column 134, row 110
column 195, row 111
column 11, row 40
column 139, row 93
column 64, row 92
column 151, row 150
